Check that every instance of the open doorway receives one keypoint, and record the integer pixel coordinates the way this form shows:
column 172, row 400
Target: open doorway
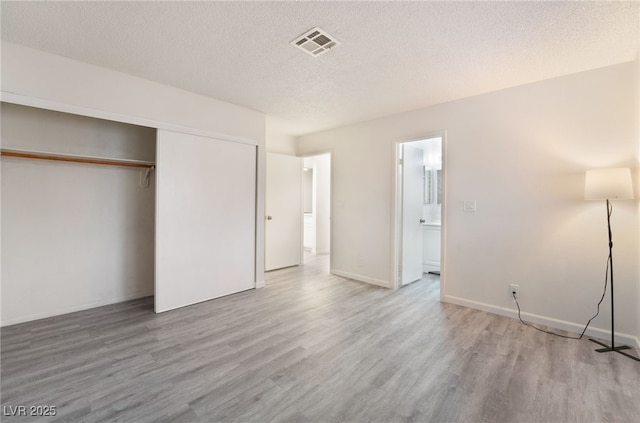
column 419, row 193
column 316, row 195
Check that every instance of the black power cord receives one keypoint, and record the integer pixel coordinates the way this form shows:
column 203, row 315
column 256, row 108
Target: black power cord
column 606, row 280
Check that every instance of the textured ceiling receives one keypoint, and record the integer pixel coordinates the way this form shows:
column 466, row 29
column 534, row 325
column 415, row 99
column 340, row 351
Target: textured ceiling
column 394, row 57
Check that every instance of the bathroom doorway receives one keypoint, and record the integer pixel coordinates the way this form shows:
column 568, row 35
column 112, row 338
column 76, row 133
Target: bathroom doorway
column 419, row 193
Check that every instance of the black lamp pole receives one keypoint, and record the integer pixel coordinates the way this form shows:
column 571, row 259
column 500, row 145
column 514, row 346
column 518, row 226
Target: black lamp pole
column 612, row 347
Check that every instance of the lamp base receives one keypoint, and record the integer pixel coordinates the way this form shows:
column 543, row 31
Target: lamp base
column 615, row 349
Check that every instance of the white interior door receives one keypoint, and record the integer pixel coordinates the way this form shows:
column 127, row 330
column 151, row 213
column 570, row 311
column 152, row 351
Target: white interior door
column 412, row 201
column 283, row 227
column 205, row 219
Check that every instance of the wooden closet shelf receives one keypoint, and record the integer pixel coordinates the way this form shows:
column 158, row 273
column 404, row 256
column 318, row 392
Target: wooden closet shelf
column 76, row 159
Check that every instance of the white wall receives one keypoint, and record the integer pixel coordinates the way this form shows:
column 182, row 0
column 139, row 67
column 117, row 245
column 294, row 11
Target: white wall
column 521, row 153
column 75, row 236
column 322, row 202
column 308, row 201
column 307, row 189
column 34, row 74
column 40, row 79
column 278, row 141
column 637, row 187
column 319, row 238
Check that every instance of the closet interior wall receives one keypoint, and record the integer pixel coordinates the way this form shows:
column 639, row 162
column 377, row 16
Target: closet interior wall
column 74, row 235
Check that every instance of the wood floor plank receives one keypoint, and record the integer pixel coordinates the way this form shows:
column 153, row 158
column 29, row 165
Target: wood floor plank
column 310, row 347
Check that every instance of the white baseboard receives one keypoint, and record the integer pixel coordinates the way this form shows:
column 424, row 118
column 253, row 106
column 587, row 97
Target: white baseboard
column 543, row 320
column 260, row 284
column 73, row 309
column 361, row 278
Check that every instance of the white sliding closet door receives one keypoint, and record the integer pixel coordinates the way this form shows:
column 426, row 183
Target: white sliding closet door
column 205, row 219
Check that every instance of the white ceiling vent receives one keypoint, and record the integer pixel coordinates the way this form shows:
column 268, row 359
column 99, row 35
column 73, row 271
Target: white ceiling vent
column 315, row 42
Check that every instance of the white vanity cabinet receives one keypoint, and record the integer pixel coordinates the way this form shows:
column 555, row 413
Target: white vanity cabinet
column 431, row 247
column 309, row 236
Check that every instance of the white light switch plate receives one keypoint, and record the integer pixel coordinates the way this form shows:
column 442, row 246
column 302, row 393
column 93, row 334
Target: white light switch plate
column 469, row 205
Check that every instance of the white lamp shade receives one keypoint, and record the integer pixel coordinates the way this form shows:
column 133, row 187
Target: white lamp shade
column 608, row 184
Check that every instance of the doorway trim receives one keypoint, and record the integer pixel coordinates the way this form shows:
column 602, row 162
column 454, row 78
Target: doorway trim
column 396, row 212
column 331, row 204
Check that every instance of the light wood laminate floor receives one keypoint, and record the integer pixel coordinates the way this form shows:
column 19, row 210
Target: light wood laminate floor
column 311, row 347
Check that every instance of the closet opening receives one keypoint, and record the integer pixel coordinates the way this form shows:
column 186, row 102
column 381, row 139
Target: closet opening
column 78, row 209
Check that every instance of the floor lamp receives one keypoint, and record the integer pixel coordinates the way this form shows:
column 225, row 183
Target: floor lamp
column 609, row 184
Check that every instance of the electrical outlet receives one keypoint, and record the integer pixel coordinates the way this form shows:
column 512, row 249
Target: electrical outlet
column 514, row 290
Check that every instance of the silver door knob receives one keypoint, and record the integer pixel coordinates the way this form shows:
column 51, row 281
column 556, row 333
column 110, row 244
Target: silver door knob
column 269, row 218
column 422, row 221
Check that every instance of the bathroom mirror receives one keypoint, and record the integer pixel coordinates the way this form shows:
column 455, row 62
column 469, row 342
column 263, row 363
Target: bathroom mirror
column 432, row 185
column 428, row 186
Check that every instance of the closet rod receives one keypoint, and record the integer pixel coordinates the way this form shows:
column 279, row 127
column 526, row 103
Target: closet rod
column 76, row 159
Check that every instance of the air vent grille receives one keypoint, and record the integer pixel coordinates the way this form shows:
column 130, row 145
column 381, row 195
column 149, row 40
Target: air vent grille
column 322, row 39
column 315, row 42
